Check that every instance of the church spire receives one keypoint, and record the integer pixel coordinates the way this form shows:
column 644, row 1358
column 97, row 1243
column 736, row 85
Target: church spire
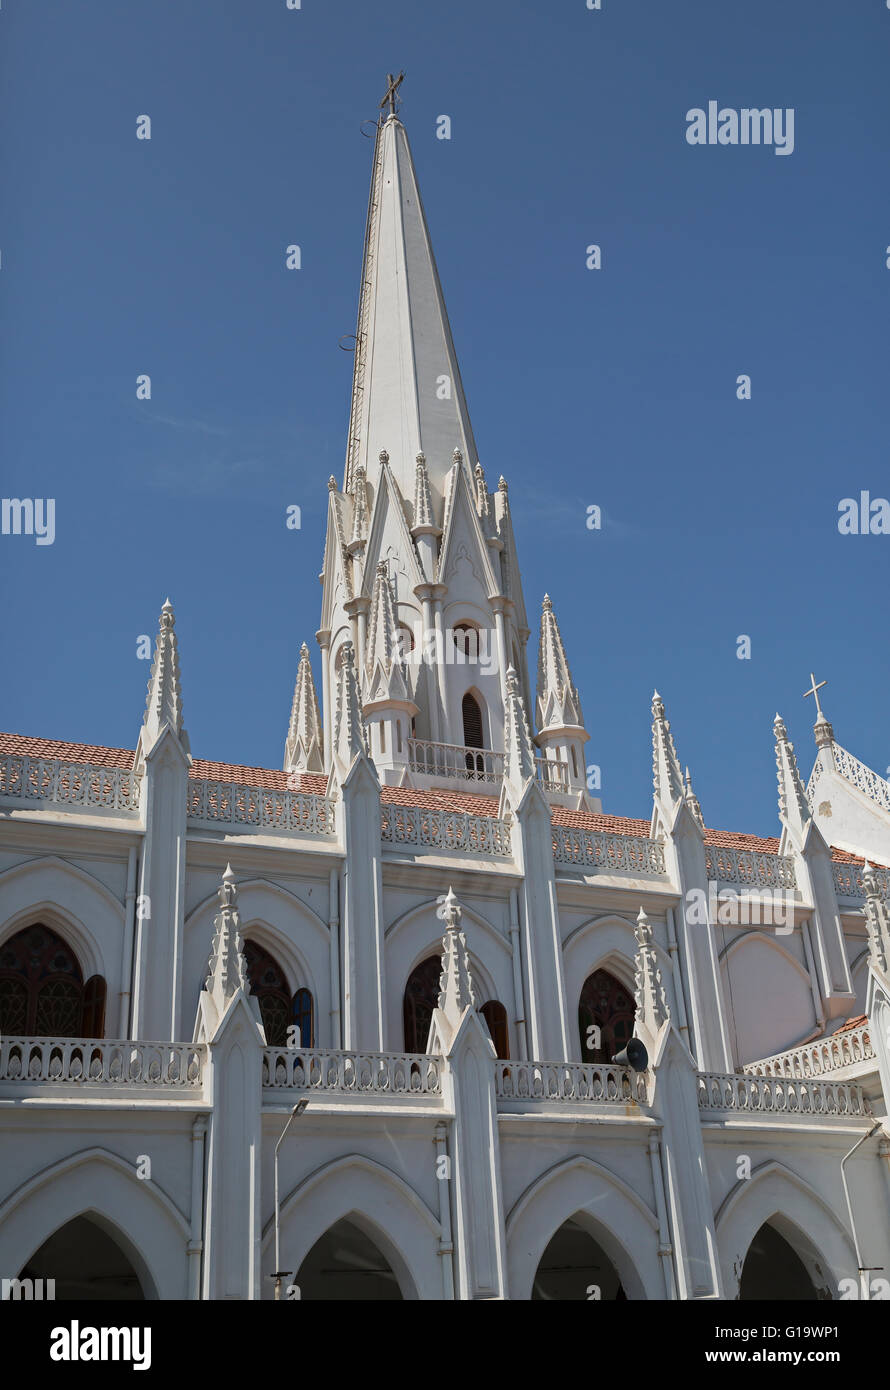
column 793, row 806
column 519, row 757
column 303, row 749
column 407, row 395
column 349, row 733
column 383, row 649
column 666, row 775
column 163, row 705
column 558, row 700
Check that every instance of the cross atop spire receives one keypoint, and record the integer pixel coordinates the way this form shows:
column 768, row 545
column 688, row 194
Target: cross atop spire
column 814, row 690
column 391, row 97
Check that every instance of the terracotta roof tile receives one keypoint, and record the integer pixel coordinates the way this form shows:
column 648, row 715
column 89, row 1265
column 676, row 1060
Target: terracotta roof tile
column 475, row 804
column 69, row 752
column 856, row 1022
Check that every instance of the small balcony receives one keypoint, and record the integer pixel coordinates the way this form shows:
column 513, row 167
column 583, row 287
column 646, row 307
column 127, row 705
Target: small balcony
column 478, row 767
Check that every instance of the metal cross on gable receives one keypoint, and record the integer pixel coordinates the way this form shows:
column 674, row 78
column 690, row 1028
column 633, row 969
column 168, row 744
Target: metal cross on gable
column 814, row 691
column 392, row 86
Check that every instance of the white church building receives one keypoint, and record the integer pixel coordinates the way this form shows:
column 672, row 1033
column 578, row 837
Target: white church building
column 418, row 946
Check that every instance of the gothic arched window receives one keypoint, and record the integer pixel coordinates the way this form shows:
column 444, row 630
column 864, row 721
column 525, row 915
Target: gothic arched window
column 303, row 1010
column 472, row 716
column 42, row 991
column 495, row 1016
column 606, row 1004
column 421, row 997
column 268, row 983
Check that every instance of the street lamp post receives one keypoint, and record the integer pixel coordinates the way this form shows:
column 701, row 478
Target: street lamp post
column 861, row 1271
column 279, row 1272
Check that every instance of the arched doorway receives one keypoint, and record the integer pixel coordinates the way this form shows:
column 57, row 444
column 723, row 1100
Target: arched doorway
column 86, row 1262
column 608, row 1006
column 42, row 989
column 421, row 997
column 575, row 1266
column 345, row 1263
column 279, row 1010
column 774, row 1270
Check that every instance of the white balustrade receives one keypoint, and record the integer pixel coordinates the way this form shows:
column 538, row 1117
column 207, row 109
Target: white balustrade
column 69, row 784
column 91, row 1062
column 814, row 1059
column 238, row 804
column 447, row 830
column 750, row 867
column 552, row 773
column 365, row 1073
column 775, row 1095
column 596, row 849
column 454, row 761
column 604, row 1084
column 848, row 880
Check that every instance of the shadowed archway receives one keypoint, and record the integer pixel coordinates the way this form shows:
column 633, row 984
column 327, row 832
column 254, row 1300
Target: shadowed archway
column 86, row 1262
column 345, row 1264
column 575, row 1266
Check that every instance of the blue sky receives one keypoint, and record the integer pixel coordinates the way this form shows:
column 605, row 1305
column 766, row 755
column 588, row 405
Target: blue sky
column 615, row 387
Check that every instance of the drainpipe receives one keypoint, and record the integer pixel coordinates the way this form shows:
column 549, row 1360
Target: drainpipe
column 677, row 972
column 863, row 1273
column 515, row 949
column 334, row 929
column 123, row 1023
column 446, row 1244
column 665, row 1249
column 196, row 1244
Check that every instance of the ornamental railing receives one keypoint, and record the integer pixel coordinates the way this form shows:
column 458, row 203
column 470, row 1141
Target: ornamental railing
column 352, row 1073
column 815, row 1058
column 775, row 1095
column 553, row 774
column 750, row 867
column 604, row 1084
column 237, row 804
column 86, row 1062
column 68, row 784
column 848, row 880
column 594, row 849
column 876, row 788
column 455, row 762
column 456, row 831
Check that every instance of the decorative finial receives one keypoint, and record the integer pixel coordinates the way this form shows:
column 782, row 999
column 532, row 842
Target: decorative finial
column 457, row 456
column 383, row 456
column 332, row 483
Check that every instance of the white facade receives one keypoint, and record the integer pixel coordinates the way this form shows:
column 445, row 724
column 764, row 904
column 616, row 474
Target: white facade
column 419, row 815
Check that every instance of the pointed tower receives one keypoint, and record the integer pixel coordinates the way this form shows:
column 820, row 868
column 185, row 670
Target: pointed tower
column 303, row 748
column 387, row 708
column 667, row 779
column 349, row 734
column 562, row 734
column 163, row 705
column 794, row 809
column 163, row 758
column 407, row 395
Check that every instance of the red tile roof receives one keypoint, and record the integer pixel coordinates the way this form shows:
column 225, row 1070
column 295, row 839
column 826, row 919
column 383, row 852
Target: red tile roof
column 69, row 752
column 856, row 1022
column 475, row 803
